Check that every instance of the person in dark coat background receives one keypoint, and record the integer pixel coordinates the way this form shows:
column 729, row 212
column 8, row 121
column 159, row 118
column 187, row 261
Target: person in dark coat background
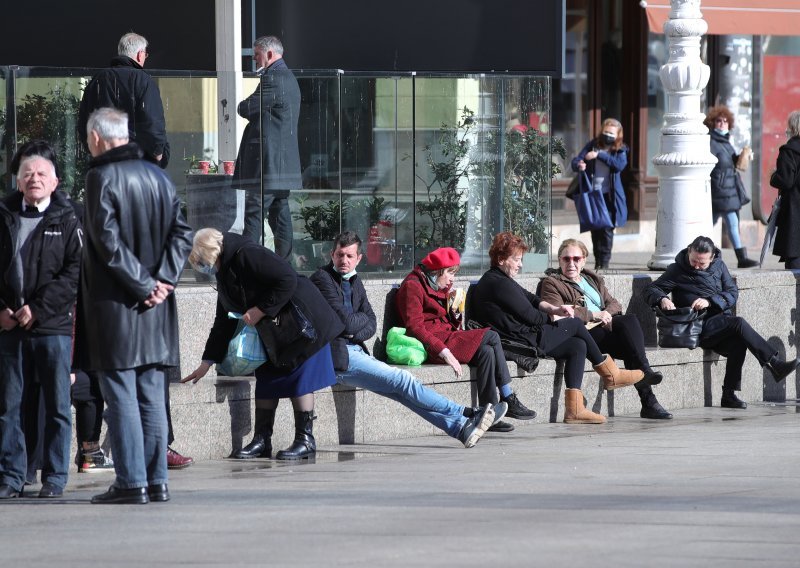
column 786, row 179
column 699, row 279
column 127, row 331
column 269, row 156
column 727, row 189
column 125, row 86
column 256, row 282
column 422, row 304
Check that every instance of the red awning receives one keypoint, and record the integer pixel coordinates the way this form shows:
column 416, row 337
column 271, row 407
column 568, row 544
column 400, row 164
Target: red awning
column 730, row 17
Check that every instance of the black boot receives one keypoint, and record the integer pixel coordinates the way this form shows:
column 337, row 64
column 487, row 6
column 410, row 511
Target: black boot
column 781, row 369
column 304, row 446
column 650, row 406
column 261, row 446
column 744, row 262
column 730, row 400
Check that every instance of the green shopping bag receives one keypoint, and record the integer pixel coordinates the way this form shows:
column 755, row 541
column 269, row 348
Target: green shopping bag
column 404, row 350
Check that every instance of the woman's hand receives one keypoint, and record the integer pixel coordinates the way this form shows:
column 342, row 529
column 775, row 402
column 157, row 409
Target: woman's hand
column 581, row 166
column 604, row 318
column 590, row 155
column 451, row 360
column 700, row 304
column 253, row 316
column 666, row 304
column 197, row 374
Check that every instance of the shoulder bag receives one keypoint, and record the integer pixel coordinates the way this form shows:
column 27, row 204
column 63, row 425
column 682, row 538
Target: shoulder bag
column 680, row 327
column 592, row 209
column 286, row 335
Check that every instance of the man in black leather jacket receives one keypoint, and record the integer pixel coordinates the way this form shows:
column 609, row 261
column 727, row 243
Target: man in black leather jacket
column 136, row 246
column 40, row 255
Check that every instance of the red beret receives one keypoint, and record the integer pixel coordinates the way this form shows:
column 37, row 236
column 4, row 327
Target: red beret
column 444, row 257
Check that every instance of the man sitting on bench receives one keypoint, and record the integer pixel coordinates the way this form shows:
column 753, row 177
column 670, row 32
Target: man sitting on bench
column 341, row 286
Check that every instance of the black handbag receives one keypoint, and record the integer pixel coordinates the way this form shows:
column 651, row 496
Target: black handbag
column 680, row 327
column 286, row 335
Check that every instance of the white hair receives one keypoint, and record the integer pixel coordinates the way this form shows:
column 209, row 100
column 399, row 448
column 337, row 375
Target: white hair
column 109, row 123
column 130, row 44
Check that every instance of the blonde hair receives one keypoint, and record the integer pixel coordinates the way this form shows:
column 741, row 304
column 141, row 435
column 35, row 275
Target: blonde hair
column 573, row 243
column 206, row 247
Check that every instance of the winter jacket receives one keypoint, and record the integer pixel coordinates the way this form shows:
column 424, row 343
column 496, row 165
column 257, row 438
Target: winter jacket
column 559, row 290
column 616, row 160
column 686, row 284
column 359, row 325
column 135, row 235
column 499, row 301
column 278, row 109
column 253, row 276
column 724, row 195
column 51, row 268
column 126, row 86
column 787, row 180
column 424, row 313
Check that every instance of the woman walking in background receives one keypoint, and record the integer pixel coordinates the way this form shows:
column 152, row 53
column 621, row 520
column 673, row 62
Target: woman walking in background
column 786, row 179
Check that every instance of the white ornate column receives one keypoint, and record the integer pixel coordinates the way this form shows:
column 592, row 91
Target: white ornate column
column 685, row 162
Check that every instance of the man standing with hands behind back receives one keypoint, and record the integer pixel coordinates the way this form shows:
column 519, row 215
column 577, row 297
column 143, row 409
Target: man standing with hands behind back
column 269, row 151
column 136, row 245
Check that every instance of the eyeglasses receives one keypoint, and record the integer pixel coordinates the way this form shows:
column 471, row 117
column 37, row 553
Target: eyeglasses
column 575, row 259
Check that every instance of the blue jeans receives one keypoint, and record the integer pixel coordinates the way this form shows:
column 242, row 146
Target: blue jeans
column 366, row 372
column 731, row 219
column 137, row 424
column 43, row 359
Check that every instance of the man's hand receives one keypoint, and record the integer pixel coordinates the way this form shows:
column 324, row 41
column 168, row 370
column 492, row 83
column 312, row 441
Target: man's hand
column 25, row 317
column 7, row 320
column 159, row 294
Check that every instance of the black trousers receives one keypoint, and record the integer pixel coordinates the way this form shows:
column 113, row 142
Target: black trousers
column 625, row 340
column 602, row 242
column 171, row 375
column 489, row 362
column 733, row 341
column 568, row 340
column 88, row 402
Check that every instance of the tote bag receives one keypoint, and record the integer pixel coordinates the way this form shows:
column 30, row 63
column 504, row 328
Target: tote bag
column 592, row 209
column 680, row 327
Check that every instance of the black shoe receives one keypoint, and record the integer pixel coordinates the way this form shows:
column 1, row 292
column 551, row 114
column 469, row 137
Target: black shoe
column 50, row 491
column 654, row 411
column 158, row 492
column 518, row 410
column 474, row 428
column 730, row 400
column 260, row 447
column 501, row 426
column 116, row 496
column 8, row 492
column 652, row 377
column 782, row 369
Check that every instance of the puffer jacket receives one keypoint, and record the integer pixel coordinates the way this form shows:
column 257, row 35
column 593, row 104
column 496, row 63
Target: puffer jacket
column 52, row 267
column 724, row 196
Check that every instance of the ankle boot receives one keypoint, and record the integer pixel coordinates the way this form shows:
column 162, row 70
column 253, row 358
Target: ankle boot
column 261, row 446
column 304, row 445
column 575, row 412
column 614, row 377
column 781, row 369
column 651, row 408
column 744, row 262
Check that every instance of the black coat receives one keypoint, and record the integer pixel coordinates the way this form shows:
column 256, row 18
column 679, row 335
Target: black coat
column 686, row 284
column 787, row 180
column 253, row 276
column 359, row 325
column 51, row 268
column 499, row 301
column 135, row 235
column 126, row 86
column 278, row 106
column 724, row 195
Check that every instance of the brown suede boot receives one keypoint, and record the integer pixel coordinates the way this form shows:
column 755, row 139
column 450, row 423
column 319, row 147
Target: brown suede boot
column 614, row 377
column 575, row 412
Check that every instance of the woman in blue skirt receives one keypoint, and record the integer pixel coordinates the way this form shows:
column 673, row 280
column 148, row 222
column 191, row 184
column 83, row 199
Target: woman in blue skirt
column 258, row 283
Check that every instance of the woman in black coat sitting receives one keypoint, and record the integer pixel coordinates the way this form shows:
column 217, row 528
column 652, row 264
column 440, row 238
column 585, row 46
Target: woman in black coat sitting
column 258, row 283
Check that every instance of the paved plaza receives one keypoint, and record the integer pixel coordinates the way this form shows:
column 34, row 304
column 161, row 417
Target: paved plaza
column 713, row 487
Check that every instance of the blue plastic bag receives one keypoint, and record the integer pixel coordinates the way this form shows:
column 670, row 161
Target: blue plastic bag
column 246, row 353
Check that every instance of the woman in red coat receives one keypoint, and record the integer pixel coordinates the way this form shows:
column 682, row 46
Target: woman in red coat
column 422, row 303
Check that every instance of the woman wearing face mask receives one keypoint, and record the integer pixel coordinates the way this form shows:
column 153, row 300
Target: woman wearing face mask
column 787, row 180
column 725, row 193
column 516, row 314
column 422, row 303
column 603, row 159
column 256, row 282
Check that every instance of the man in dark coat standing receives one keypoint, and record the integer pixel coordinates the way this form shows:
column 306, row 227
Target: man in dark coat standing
column 136, row 245
column 125, row 86
column 268, row 164
column 40, row 256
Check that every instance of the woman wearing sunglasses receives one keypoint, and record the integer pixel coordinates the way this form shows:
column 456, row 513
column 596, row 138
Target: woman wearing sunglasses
column 620, row 335
column 517, row 315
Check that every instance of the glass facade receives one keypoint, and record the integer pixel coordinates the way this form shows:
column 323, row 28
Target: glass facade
column 409, row 162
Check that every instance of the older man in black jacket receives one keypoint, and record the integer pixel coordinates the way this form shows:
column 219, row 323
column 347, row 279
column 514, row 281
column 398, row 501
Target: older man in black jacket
column 40, row 254
column 136, row 245
column 268, row 164
column 125, row 86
